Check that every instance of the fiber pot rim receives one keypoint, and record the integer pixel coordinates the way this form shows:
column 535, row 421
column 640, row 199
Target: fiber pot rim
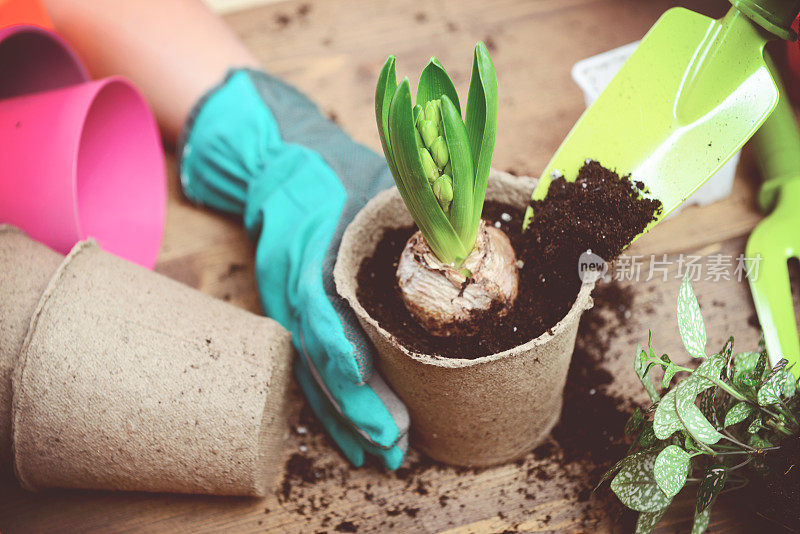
column 350, row 262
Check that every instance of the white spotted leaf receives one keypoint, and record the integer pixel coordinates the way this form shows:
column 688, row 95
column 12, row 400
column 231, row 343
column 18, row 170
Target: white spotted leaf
column 710, row 487
column 670, row 469
column 636, row 486
column 780, row 381
column 738, row 413
column 696, row 423
column 701, row 520
column 648, row 520
column 690, row 321
column 666, row 420
column 686, row 393
column 643, row 372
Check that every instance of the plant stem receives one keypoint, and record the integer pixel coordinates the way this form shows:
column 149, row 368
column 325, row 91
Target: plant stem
column 727, row 435
column 765, row 410
column 779, row 427
column 788, row 413
column 740, row 465
column 722, row 385
column 726, row 387
column 726, row 453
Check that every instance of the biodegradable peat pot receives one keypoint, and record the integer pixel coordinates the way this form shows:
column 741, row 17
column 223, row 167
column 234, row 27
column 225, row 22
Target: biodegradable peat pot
column 25, row 269
column 479, row 412
column 128, row 380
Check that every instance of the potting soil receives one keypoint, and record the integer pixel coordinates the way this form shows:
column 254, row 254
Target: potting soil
column 600, row 211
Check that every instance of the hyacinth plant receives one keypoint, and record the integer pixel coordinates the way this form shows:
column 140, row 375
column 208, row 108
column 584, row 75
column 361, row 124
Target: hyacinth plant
column 440, row 163
column 714, row 428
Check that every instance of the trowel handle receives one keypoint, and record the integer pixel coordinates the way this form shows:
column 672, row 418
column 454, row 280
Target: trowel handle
column 775, row 16
column 777, row 147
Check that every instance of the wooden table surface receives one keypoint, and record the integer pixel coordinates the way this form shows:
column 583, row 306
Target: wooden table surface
column 333, row 51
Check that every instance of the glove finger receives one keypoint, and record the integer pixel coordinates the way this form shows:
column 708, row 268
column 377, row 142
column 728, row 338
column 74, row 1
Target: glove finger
column 391, row 458
column 393, row 404
column 350, row 446
column 379, row 419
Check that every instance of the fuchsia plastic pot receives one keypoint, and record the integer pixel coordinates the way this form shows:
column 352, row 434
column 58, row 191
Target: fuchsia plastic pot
column 84, row 161
column 33, row 59
column 81, row 159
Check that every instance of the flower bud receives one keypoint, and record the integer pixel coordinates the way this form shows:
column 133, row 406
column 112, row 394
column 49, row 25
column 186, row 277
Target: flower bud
column 433, row 112
column 443, row 190
column 439, row 152
column 428, row 166
column 429, row 132
column 418, row 138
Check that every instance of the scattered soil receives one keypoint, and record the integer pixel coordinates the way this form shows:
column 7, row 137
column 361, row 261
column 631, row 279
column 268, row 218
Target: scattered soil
column 777, row 496
column 600, row 211
column 586, row 442
column 589, row 437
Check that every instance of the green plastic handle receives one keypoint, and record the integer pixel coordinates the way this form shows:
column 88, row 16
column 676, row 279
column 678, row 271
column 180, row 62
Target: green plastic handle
column 777, row 147
column 775, row 16
column 775, row 240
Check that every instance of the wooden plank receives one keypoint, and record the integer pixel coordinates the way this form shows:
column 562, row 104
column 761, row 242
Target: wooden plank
column 332, row 51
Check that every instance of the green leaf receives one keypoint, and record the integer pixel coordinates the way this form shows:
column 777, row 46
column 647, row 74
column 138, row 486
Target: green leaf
column 634, row 422
column 636, row 487
column 669, row 372
column 727, row 348
column 706, row 373
column 710, row 486
column 689, row 444
column 642, row 371
column 387, row 86
column 727, row 352
column 774, row 386
column 481, row 122
column 666, row 420
column 648, row 437
column 650, row 344
column 413, row 185
column 701, row 520
column 455, row 134
column 674, row 413
column 671, row 469
column 648, row 520
column 690, row 321
column 707, row 407
column 758, row 442
column 695, row 422
column 738, row 413
column 627, row 460
column 748, row 370
column 755, row 426
column 433, row 83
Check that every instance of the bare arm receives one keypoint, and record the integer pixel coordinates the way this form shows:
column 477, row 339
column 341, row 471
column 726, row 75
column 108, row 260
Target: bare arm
column 173, row 50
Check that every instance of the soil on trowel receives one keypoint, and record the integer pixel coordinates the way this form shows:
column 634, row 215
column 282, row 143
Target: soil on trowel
column 600, row 211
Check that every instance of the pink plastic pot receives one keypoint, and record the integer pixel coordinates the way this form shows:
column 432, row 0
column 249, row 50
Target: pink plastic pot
column 84, row 161
column 33, row 59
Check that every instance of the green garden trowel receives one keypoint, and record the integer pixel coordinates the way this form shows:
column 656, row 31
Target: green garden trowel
column 694, row 91
column 777, row 238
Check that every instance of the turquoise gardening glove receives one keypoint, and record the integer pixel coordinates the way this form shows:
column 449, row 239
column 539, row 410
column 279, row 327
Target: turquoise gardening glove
column 256, row 147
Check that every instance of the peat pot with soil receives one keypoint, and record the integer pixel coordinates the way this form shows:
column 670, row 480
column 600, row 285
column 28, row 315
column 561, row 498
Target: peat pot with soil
column 474, row 320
